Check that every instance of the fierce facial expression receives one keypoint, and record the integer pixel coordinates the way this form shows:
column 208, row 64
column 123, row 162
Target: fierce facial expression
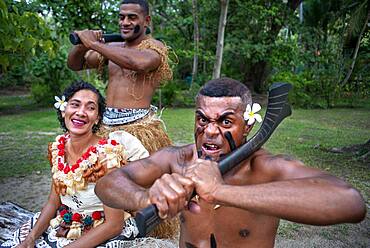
column 81, row 112
column 132, row 21
column 213, row 117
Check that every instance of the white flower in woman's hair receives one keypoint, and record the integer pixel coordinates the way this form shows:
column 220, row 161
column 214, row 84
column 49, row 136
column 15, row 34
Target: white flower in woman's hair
column 250, row 113
column 61, row 104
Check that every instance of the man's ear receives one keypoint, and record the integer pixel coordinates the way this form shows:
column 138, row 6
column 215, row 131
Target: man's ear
column 247, row 129
column 147, row 20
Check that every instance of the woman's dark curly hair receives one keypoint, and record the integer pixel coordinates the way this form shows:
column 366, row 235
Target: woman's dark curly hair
column 71, row 90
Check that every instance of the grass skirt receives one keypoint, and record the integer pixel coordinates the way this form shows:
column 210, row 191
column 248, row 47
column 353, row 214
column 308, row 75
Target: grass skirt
column 149, row 130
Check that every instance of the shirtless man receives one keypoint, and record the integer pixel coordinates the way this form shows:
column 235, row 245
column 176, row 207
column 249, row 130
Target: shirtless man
column 136, row 68
column 242, row 208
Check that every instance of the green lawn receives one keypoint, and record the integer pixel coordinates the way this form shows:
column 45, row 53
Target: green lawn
column 306, row 135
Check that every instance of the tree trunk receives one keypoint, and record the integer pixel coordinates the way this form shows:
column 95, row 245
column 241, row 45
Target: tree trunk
column 196, row 41
column 220, row 39
column 350, row 70
column 257, row 73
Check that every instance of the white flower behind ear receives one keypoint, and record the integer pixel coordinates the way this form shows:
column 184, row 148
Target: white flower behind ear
column 250, row 113
column 61, row 104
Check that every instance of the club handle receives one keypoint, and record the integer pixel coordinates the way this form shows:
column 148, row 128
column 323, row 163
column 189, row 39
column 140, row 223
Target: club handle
column 75, row 40
column 147, row 219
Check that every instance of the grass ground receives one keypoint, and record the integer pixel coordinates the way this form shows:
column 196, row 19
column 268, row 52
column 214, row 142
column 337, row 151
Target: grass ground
column 308, row 135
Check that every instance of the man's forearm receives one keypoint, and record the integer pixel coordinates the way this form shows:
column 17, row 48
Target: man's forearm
column 76, row 57
column 128, row 58
column 112, row 187
column 316, row 201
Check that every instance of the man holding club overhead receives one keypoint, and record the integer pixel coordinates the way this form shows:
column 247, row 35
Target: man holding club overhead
column 242, row 208
column 136, row 68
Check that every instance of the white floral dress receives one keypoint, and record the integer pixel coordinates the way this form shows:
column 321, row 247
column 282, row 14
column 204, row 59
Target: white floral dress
column 81, row 209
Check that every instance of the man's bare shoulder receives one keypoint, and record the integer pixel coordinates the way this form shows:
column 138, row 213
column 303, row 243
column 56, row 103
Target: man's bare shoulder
column 184, row 152
column 281, row 167
column 265, row 155
column 272, row 166
column 157, row 43
column 179, row 156
column 172, row 149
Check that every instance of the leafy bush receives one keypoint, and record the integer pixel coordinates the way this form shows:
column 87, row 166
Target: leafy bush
column 176, row 94
column 93, row 77
column 50, row 75
column 13, row 77
column 305, row 91
column 41, row 93
column 23, row 35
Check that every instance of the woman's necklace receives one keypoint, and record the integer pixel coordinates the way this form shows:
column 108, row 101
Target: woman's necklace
column 73, row 176
column 88, row 158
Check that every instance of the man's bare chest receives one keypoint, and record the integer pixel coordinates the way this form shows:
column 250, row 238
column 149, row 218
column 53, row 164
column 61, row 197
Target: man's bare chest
column 226, row 224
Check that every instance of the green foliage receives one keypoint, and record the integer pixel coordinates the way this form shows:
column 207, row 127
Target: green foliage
column 50, row 76
column 304, row 90
column 316, row 60
column 171, row 94
column 14, row 77
column 263, row 39
column 93, row 77
column 250, row 37
column 186, row 98
column 22, row 36
column 285, row 55
column 77, row 15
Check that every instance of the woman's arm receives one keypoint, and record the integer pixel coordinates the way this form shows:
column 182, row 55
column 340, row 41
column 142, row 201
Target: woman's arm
column 112, row 226
column 47, row 213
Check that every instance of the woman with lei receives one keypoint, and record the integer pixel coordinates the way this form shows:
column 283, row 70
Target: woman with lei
column 74, row 216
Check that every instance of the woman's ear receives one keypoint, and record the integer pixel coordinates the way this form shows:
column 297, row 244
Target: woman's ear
column 63, row 113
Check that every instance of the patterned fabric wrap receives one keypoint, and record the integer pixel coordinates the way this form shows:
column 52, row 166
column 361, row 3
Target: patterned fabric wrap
column 150, row 131
column 114, row 116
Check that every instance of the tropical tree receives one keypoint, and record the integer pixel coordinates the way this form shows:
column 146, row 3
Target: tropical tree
column 358, row 24
column 23, row 34
column 220, row 38
column 196, row 39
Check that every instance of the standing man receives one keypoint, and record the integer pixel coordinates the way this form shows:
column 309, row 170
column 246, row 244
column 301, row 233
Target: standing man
column 243, row 208
column 136, row 68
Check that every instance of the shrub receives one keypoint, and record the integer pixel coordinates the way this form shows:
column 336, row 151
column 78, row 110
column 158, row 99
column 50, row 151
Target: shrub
column 50, row 75
column 305, row 92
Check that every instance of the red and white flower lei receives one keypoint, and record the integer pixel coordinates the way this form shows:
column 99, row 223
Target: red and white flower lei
column 71, row 176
